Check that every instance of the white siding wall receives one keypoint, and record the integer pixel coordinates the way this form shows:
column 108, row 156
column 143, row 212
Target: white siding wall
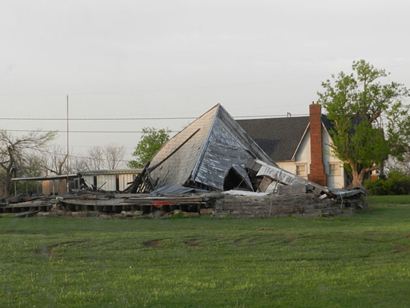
column 303, row 154
column 288, row 166
column 125, row 179
column 333, row 181
column 109, row 181
column 89, row 180
column 303, row 157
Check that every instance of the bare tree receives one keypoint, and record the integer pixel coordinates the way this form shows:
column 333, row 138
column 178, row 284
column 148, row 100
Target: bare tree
column 33, row 165
column 109, row 157
column 55, row 160
column 114, row 156
column 96, row 158
column 15, row 153
column 79, row 164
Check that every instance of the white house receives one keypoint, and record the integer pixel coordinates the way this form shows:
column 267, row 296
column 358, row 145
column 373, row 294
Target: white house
column 301, row 145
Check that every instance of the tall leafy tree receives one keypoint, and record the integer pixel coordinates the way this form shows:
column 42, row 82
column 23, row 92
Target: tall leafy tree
column 370, row 118
column 150, row 143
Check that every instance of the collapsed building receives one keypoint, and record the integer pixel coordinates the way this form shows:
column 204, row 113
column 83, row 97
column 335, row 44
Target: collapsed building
column 214, row 153
column 211, row 153
column 213, row 164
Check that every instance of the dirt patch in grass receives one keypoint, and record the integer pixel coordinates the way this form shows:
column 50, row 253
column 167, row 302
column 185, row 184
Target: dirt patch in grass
column 401, row 248
column 152, row 243
column 48, row 251
column 263, row 240
column 265, row 229
column 192, row 242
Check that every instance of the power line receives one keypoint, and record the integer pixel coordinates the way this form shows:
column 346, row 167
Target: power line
column 120, row 119
column 75, row 155
column 139, row 118
column 82, row 131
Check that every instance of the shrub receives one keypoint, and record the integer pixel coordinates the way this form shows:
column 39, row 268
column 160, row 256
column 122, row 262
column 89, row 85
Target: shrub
column 397, row 183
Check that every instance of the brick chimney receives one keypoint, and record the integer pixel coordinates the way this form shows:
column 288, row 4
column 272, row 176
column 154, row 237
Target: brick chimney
column 317, row 169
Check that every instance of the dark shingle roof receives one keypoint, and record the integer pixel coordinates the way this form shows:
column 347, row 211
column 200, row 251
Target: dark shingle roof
column 278, row 137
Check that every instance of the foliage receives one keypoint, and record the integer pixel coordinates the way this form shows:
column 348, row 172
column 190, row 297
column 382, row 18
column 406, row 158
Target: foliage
column 397, row 183
column 191, row 262
column 370, row 120
column 150, row 143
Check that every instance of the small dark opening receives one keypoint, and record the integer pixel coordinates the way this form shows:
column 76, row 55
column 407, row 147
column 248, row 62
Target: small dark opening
column 233, row 180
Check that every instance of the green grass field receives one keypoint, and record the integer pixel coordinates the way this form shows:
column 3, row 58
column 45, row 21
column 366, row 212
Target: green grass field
column 358, row 261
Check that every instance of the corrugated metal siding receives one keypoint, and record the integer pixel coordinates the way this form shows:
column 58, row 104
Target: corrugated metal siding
column 242, row 136
column 224, row 150
column 47, row 187
column 109, row 181
column 125, row 179
column 60, row 187
column 89, row 180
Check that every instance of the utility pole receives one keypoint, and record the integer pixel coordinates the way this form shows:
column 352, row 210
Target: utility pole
column 68, row 146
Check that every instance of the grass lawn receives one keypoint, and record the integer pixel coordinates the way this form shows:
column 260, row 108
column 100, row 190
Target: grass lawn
column 359, row 261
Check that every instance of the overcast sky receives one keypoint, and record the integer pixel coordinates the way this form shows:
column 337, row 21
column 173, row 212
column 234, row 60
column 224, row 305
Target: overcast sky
column 178, row 58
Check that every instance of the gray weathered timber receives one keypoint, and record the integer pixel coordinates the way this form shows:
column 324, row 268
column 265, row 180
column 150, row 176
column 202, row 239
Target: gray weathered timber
column 204, row 152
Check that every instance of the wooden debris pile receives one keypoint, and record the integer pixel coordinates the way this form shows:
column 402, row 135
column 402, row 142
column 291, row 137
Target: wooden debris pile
column 193, row 172
column 230, row 203
column 119, row 205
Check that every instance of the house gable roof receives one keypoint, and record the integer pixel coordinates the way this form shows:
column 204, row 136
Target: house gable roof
column 279, row 137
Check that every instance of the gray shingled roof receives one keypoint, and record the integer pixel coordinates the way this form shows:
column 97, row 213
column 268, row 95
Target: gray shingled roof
column 278, row 137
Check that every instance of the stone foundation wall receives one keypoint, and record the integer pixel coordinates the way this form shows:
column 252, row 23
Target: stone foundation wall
column 278, row 205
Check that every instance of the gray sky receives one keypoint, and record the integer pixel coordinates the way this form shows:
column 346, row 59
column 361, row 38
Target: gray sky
column 178, row 58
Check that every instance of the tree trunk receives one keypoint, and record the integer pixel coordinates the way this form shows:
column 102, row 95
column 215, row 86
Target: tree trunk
column 357, row 177
column 7, row 186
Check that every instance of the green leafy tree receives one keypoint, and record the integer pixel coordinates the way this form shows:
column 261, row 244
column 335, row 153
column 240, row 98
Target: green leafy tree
column 150, row 143
column 370, row 118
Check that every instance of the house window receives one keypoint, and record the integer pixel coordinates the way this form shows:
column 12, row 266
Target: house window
column 301, row 169
column 334, row 169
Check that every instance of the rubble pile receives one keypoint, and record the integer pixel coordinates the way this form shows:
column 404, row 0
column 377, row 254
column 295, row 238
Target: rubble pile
column 211, row 167
column 214, row 154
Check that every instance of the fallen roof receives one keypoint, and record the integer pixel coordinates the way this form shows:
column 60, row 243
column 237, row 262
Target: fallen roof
column 111, row 172
column 45, row 178
column 204, row 152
